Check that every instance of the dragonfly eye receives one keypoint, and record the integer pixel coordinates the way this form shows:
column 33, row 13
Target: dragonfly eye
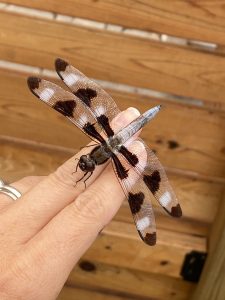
column 86, row 164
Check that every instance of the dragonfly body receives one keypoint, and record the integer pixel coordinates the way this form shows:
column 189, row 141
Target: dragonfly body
column 139, row 172
column 101, row 153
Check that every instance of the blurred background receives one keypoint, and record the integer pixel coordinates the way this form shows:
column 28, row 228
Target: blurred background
column 143, row 53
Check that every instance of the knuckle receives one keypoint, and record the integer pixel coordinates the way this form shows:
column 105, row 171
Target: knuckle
column 90, row 205
column 62, row 177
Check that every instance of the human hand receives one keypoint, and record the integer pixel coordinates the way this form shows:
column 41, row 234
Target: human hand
column 45, row 232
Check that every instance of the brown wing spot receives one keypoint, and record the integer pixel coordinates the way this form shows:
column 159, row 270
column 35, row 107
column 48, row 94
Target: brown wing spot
column 152, row 181
column 60, row 65
column 33, row 83
column 135, row 201
column 65, row 107
column 86, row 95
column 104, row 121
column 120, row 169
column 91, row 130
column 176, row 211
column 132, row 158
column 150, row 238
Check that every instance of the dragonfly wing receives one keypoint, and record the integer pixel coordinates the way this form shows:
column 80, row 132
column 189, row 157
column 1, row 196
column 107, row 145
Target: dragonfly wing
column 90, row 93
column 67, row 104
column 137, row 193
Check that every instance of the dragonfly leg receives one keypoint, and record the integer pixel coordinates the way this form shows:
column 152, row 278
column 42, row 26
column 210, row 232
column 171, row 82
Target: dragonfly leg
column 83, row 178
column 88, row 146
column 87, row 179
column 76, row 166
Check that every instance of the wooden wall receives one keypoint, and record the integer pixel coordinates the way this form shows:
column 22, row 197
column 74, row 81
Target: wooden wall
column 188, row 135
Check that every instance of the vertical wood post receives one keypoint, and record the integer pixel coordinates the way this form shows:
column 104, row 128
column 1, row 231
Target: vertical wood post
column 212, row 282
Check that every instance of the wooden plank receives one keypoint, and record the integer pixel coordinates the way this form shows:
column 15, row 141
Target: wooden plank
column 114, row 57
column 130, row 283
column 119, row 245
column 76, row 293
column 212, row 283
column 19, row 160
column 120, row 249
column 204, row 20
column 171, row 134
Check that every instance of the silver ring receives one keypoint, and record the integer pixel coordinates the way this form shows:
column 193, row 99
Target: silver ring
column 9, row 190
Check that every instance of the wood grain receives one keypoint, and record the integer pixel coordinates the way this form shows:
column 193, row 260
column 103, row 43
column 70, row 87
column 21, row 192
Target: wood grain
column 114, row 57
column 128, row 282
column 119, row 245
column 202, row 20
column 122, row 247
column 170, row 134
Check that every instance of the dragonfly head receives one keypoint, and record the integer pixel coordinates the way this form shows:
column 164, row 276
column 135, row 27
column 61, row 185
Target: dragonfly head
column 86, row 163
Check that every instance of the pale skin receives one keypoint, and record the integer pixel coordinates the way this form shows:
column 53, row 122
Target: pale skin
column 45, row 232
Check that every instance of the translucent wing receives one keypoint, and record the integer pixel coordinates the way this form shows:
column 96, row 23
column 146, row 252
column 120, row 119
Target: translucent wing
column 154, row 177
column 67, row 104
column 137, row 192
column 91, row 94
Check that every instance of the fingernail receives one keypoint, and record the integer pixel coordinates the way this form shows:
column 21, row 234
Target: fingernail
column 134, row 111
column 125, row 117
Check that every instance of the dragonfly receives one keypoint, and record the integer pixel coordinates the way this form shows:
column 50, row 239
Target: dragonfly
column 136, row 167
